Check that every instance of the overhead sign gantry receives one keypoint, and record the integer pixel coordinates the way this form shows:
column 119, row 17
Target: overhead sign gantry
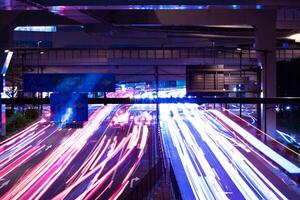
column 69, row 100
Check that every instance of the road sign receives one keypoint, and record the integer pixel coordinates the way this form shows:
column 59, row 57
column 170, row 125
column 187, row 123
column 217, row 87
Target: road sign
column 69, row 108
column 133, row 180
column 69, row 82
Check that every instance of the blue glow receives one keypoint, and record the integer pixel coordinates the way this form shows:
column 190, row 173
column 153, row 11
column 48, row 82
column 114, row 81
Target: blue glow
column 258, row 7
column 69, row 107
column 65, row 118
column 36, row 28
column 288, row 107
column 285, row 45
column 236, row 7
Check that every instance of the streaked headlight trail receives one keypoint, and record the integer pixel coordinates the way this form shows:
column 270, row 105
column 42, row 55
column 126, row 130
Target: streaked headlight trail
column 76, row 163
column 211, row 157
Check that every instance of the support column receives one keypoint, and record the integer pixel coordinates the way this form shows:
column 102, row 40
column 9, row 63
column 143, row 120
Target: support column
column 6, row 43
column 265, row 41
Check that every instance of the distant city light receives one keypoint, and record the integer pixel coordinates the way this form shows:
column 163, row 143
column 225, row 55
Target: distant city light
column 295, row 37
column 277, row 109
column 36, row 28
column 123, row 87
column 261, row 95
column 288, row 107
column 236, row 7
column 165, row 7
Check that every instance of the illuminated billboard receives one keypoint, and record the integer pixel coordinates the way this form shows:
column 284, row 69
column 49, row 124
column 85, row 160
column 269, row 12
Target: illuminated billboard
column 68, row 108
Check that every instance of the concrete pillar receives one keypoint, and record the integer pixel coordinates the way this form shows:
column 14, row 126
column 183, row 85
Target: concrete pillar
column 6, row 42
column 265, row 41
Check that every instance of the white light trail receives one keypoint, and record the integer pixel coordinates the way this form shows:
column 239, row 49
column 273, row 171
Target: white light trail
column 267, row 151
column 203, row 177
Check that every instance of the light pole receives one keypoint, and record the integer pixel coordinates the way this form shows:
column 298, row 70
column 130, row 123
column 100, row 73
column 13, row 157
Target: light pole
column 240, row 52
column 40, row 71
column 2, row 106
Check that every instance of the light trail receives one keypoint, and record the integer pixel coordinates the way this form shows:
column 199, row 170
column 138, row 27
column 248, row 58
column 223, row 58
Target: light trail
column 288, row 138
column 57, row 161
column 267, row 135
column 208, row 154
column 95, row 171
column 267, row 151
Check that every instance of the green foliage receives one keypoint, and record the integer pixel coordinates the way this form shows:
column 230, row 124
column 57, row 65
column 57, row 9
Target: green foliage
column 15, row 122
column 18, row 120
column 31, row 114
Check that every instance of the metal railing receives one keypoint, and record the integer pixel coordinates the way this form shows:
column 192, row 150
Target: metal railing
column 214, row 55
column 92, row 56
